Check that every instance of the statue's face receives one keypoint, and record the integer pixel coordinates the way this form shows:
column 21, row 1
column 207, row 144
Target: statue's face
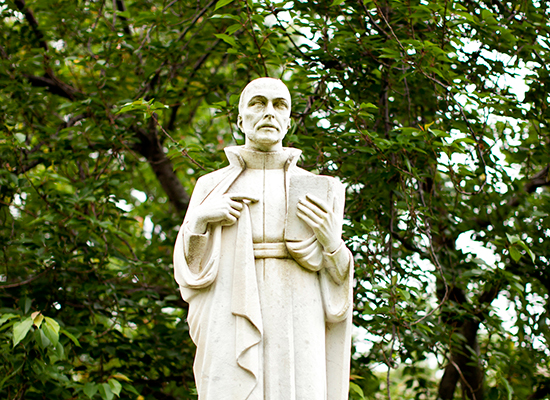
column 264, row 114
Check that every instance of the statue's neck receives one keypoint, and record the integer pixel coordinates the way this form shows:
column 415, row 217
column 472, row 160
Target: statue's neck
column 255, row 159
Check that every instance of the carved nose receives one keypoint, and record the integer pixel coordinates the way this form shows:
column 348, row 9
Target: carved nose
column 269, row 111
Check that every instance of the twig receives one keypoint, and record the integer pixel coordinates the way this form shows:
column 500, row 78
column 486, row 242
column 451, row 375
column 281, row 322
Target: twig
column 256, row 40
column 372, row 21
column 288, row 35
column 437, row 265
column 389, row 26
column 446, row 296
column 195, row 19
column 169, row 5
column 99, row 14
column 463, row 379
column 183, row 151
column 444, row 25
column 127, row 245
column 114, row 15
column 17, row 284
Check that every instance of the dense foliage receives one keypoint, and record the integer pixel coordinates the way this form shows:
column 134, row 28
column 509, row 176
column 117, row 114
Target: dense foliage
column 111, row 110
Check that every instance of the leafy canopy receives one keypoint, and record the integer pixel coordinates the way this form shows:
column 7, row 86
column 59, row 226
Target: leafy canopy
column 110, row 111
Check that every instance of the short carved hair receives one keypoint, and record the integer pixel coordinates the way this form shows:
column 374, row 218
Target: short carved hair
column 255, row 82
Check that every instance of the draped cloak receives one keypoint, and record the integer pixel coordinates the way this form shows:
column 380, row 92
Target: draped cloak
column 271, row 319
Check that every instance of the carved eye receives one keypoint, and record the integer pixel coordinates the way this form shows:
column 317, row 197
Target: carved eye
column 256, row 102
column 281, row 105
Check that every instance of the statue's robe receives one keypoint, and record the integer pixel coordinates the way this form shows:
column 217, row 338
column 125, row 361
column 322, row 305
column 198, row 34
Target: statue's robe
column 271, row 319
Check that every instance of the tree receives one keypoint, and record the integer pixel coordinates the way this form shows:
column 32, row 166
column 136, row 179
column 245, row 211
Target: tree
column 110, row 111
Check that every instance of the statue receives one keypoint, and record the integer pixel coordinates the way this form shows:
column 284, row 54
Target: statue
column 260, row 260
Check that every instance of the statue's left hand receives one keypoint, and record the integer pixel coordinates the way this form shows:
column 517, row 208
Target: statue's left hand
column 322, row 220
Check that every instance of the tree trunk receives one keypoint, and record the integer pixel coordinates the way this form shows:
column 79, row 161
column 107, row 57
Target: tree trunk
column 150, row 147
column 464, row 366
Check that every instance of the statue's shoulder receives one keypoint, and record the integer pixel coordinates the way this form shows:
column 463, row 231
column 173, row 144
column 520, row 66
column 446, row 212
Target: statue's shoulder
column 213, row 178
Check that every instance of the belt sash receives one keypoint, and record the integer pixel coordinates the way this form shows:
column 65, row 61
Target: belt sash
column 271, row 250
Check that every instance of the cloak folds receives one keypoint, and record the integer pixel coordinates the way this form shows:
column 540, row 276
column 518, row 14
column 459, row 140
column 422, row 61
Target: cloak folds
column 271, row 321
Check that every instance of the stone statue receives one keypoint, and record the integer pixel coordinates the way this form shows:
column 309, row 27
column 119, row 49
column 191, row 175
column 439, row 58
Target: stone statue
column 260, row 260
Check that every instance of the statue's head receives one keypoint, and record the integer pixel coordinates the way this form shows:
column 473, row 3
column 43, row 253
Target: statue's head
column 264, row 114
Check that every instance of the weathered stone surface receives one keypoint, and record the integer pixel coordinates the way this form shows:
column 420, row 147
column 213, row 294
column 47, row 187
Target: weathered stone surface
column 260, row 260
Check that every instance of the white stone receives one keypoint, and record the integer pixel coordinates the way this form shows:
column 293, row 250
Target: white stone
column 260, row 260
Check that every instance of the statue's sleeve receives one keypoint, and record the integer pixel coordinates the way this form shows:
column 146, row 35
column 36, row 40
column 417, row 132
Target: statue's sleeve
column 195, row 248
column 339, row 262
column 196, row 256
column 335, row 269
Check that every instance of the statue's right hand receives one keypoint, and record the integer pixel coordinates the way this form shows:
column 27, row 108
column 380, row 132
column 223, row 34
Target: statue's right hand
column 224, row 210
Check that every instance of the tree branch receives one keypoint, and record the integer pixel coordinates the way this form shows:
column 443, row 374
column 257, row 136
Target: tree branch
column 54, row 85
column 29, row 16
column 150, row 147
column 410, row 246
column 121, row 7
column 195, row 19
column 373, row 22
column 540, row 179
column 17, row 284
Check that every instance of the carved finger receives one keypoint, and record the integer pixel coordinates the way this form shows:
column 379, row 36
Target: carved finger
column 314, row 208
column 310, row 212
column 306, row 218
column 236, row 205
column 243, row 197
column 234, row 213
column 318, row 202
column 230, row 220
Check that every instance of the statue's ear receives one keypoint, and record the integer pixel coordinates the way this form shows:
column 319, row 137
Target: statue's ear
column 240, row 122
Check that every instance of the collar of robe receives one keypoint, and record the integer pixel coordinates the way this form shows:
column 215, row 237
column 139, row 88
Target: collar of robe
column 253, row 159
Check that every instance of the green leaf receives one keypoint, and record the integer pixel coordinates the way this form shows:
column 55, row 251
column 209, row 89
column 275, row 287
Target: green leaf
column 406, row 295
column 124, row 14
column 227, row 39
column 105, row 391
column 90, row 389
column 515, row 253
column 232, row 29
column 51, row 330
column 15, row 372
column 59, row 351
column 225, row 16
column 527, row 249
column 70, row 336
column 509, row 389
column 337, row 2
column 123, row 377
column 25, row 304
column 20, row 330
column 130, row 388
column 20, row 137
column 37, row 318
column 355, row 388
column 222, row 3
column 6, row 317
column 368, row 105
column 41, row 339
column 513, row 238
column 116, row 387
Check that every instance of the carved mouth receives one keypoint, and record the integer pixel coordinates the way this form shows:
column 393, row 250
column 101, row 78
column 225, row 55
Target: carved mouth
column 268, row 126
